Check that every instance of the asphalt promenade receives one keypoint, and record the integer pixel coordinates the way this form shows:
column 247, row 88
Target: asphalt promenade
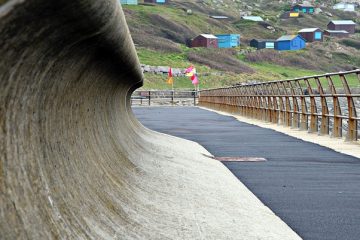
column 315, row 190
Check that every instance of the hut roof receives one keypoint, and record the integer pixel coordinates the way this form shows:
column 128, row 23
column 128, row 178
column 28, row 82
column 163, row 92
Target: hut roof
column 253, row 18
column 287, row 37
column 304, row 5
column 343, row 22
column 208, row 36
column 219, row 17
column 336, row 31
column 264, row 40
column 308, row 30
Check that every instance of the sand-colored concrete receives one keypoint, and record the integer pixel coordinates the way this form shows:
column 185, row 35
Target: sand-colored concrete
column 76, row 164
column 337, row 144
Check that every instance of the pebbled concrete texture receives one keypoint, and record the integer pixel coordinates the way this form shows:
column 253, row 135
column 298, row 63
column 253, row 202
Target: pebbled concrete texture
column 74, row 161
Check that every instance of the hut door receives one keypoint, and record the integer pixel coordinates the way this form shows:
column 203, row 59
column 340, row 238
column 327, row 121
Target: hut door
column 269, row 45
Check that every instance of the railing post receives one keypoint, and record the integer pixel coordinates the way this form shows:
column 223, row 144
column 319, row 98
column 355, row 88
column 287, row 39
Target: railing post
column 324, row 126
column 295, row 120
column 352, row 122
column 275, row 111
column 313, row 109
column 337, row 126
column 281, row 105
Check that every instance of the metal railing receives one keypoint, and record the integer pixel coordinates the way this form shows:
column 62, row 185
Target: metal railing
column 326, row 104
column 165, row 97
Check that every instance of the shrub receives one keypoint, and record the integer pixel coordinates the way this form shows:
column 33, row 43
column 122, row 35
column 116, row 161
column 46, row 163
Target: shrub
column 351, row 43
column 220, row 59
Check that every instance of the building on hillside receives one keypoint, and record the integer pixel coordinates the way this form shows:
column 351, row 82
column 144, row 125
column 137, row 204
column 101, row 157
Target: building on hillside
column 290, row 42
column 348, row 7
column 311, row 34
column 157, row 1
column 303, row 8
column 336, row 33
column 228, row 40
column 287, row 15
column 129, row 2
column 263, row 43
column 205, row 40
column 346, row 25
column 253, row 18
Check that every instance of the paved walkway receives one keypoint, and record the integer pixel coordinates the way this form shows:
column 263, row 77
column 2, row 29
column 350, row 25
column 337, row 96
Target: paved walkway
column 315, row 190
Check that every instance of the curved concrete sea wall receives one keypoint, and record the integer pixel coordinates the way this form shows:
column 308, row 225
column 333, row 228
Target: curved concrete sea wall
column 76, row 164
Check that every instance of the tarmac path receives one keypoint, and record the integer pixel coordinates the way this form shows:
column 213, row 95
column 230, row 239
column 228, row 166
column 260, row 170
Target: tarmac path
column 315, row 190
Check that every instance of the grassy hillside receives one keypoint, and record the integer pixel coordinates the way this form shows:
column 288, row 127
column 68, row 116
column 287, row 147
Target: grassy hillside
column 162, row 34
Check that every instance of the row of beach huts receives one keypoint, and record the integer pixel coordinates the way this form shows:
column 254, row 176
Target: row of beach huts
column 345, row 6
column 335, row 28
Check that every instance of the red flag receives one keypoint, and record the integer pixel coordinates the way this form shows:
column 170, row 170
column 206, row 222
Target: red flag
column 170, row 79
column 194, row 80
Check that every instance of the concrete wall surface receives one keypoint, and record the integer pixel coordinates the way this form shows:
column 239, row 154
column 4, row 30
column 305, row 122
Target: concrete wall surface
column 76, row 164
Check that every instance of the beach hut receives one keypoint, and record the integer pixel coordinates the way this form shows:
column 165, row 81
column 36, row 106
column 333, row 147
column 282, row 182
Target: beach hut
column 311, row 34
column 205, row 40
column 348, row 7
column 156, row 1
column 228, row 40
column 346, row 25
column 304, row 8
column 129, row 2
column 336, row 33
column 290, row 42
column 253, row 18
column 263, row 43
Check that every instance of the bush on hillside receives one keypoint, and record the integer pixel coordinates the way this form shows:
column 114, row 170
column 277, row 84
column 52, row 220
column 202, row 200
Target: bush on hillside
column 154, row 42
column 280, row 58
column 171, row 30
column 266, row 55
column 219, row 59
column 351, row 43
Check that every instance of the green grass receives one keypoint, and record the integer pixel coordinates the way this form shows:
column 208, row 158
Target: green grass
column 281, row 72
column 156, row 58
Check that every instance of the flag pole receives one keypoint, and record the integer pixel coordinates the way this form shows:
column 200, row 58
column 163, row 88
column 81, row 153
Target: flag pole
column 173, row 94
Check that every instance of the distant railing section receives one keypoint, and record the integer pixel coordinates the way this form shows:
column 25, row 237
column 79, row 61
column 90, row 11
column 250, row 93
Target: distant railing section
column 164, row 97
column 324, row 104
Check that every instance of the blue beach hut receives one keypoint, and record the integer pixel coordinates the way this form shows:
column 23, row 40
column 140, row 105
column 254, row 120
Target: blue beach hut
column 304, row 8
column 290, row 42
column 129, row 2
column 228, row 40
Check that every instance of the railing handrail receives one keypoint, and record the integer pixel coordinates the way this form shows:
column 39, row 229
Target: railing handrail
column 288, row 80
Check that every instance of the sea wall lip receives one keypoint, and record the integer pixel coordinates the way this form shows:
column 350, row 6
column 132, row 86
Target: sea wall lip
column 74, row 161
